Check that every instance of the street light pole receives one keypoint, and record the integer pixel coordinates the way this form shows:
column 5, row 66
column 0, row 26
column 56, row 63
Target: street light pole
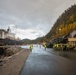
column 59, row 34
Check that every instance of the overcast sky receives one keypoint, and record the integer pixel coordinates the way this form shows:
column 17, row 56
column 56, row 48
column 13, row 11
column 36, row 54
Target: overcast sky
column 31, row 18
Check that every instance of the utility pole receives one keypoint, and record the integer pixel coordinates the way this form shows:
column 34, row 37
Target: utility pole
column 59, row 34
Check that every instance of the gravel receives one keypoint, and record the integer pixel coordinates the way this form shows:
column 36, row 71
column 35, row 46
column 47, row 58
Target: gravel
column 12, row 65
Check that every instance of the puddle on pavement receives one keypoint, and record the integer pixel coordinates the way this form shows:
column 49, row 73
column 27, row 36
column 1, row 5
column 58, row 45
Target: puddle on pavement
column 66, row 54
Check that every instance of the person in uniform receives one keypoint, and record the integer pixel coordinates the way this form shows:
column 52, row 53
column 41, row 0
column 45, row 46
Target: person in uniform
column 31, row 47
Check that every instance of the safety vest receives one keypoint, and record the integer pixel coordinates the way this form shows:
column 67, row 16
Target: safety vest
column 31, row 46
column 45, row 45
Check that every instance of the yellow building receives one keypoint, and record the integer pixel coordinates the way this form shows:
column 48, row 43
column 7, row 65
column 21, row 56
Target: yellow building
column 72, row 41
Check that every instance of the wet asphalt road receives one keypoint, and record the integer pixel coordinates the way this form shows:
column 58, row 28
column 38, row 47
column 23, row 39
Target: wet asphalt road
column 44, row 62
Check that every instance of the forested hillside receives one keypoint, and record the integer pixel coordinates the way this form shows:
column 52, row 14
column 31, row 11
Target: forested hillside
column 65, row 24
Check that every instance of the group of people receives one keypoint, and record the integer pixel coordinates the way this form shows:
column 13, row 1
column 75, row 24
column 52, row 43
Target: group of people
column 31, row 46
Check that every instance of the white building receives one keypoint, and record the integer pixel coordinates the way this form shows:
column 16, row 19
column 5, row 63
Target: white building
column 73, row 34
column 6, row 34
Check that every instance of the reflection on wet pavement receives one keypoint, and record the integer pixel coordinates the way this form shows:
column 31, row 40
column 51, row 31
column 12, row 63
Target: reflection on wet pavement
column 66, row 54
column 48, row 62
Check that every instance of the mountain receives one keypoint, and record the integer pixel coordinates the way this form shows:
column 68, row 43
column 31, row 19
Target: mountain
column 65, row 24
column 25, row 41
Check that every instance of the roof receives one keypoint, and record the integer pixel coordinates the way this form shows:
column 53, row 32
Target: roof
column 3, row 30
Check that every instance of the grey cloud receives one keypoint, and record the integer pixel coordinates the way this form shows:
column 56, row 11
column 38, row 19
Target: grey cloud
column 35, row 14
column 33, row 32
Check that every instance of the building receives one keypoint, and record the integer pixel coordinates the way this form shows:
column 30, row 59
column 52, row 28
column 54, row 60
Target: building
column 72, row 38
column 72, row 41
column 73, row 34
column 7, row 34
